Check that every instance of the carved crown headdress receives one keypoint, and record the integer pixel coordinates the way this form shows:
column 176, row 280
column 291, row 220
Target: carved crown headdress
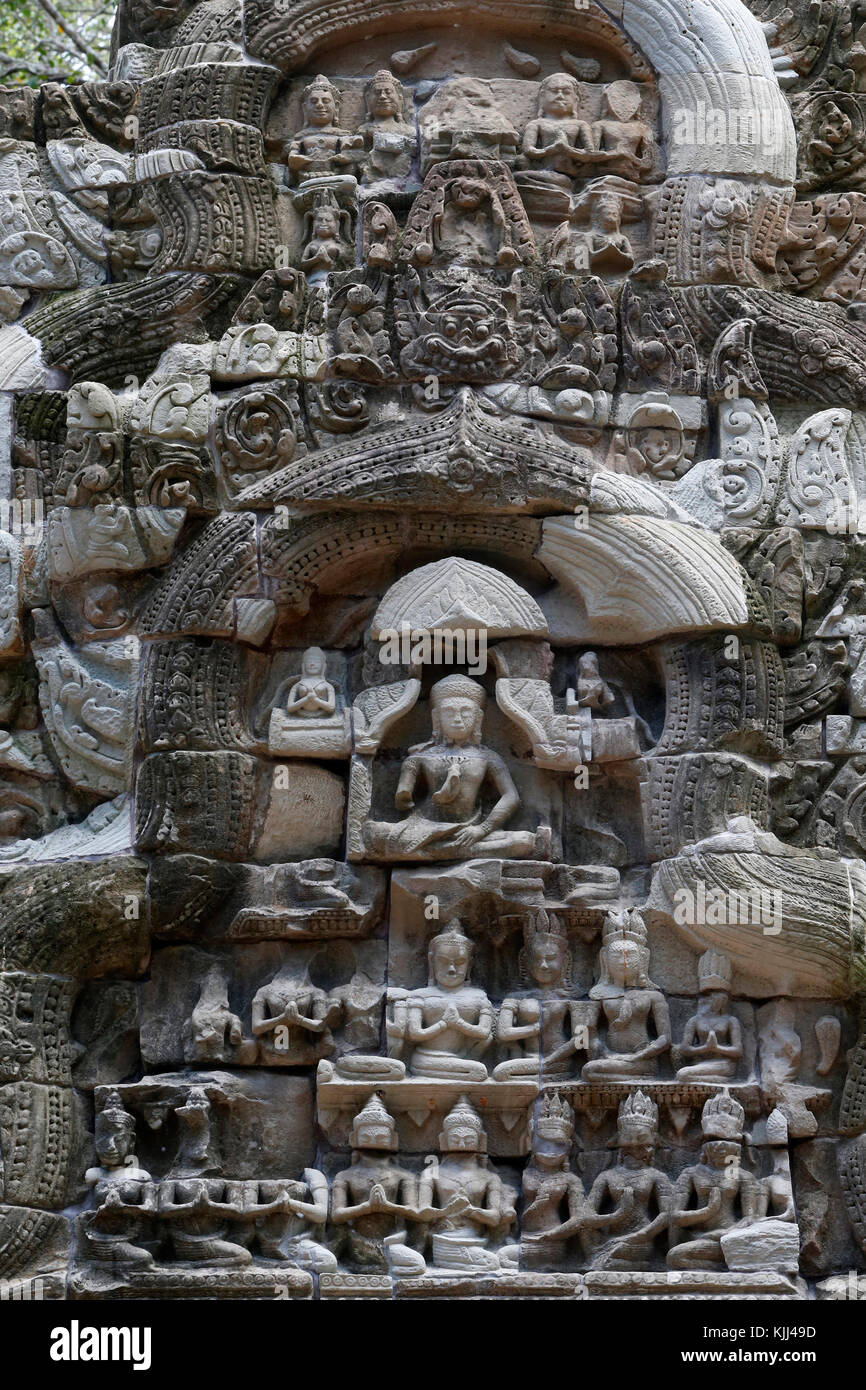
column 452, row 931
column 555, row 1120
column 714, row 971
column 539, row 925
column 463, row 1115
column 722, row 1117
column 321, row 84
column 374, row 1115
column 638, row 1119
column 113, row 1114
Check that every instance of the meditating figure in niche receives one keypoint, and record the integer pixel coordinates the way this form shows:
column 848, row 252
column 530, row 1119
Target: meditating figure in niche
column 320, row 147
column 543, row 1028
column 593, row 692
column 124, row 1194
column 389, row 139
column 629, row 1204
column 374, row 1198
column 305, row 721
column 453, row 767
column 293, row 1019
column 556, row 143
column 468, row 1205
column 606, row 204
column 716, row 1195
column 712, row 1042
column 470, row 226
column 327, row 229
column 631, row 1019
column 449, row 1023
column 553, row 1195
column 624, row 145
column 311, row 695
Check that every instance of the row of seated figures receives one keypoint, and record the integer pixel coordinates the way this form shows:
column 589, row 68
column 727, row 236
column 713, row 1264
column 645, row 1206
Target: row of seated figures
column 456, row 1212
column 560, row 143
column 443, row 1030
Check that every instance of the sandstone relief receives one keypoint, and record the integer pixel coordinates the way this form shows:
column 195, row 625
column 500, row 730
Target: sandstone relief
column 433, row 654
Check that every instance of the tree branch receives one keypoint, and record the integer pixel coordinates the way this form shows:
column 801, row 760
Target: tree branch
column 74, row 36
column 9, row 65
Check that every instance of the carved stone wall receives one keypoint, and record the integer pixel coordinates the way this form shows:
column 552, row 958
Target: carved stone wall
column 433, row 654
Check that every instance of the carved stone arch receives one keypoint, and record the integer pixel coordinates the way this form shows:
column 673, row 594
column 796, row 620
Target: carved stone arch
column 469, row 450
column 654, row 576
column 325, row 553
column 292, row 33
column 709, row 54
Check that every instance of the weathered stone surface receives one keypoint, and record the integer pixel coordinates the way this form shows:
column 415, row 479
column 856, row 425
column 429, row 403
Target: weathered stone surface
column 433, row 654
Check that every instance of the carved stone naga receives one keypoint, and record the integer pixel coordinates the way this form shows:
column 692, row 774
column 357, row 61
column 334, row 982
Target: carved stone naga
column 433, row 654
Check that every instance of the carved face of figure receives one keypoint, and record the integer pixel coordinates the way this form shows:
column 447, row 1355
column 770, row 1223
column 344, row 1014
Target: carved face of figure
column 374, row 1135
column 835, row 126
column 638, row 1150
column 383, row 98
column 319, row 106
column 558, row 96
column 546, row 960
column 723, row 1153
column 326, row 227
column 719, row 1000
column 449, row 961
column 462, row 1137
column 608, row 215
column 457, row 715
column 660, row 447
column 113, row 1142
column 624, row 964
column 314, row 662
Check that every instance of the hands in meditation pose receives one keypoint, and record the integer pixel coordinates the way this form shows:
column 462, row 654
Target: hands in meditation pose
column 449, row 1022
column 630, row 1011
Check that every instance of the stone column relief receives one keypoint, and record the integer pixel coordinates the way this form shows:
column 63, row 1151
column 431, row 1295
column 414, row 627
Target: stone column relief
column 433, row 654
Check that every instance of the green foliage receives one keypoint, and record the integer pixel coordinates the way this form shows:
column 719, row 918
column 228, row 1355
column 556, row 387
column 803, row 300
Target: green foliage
column 34, row 48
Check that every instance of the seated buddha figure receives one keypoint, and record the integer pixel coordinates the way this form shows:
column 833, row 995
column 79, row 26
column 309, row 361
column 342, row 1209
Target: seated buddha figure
column 553, row 1195
column 453, row 767
column 124, row 1193
column 542, row 1028
column 556, row 143
column 293, row 1018
column 311, row 695
column 712, row 1042
column 306, row 720
column 320, row 147
column 373, row 1199
column 448, row 1023
column 624, row 142
column 631, row 1019
column 716, row 1195
column 389, row 139
column 468, row 1205
column 628, row 1207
